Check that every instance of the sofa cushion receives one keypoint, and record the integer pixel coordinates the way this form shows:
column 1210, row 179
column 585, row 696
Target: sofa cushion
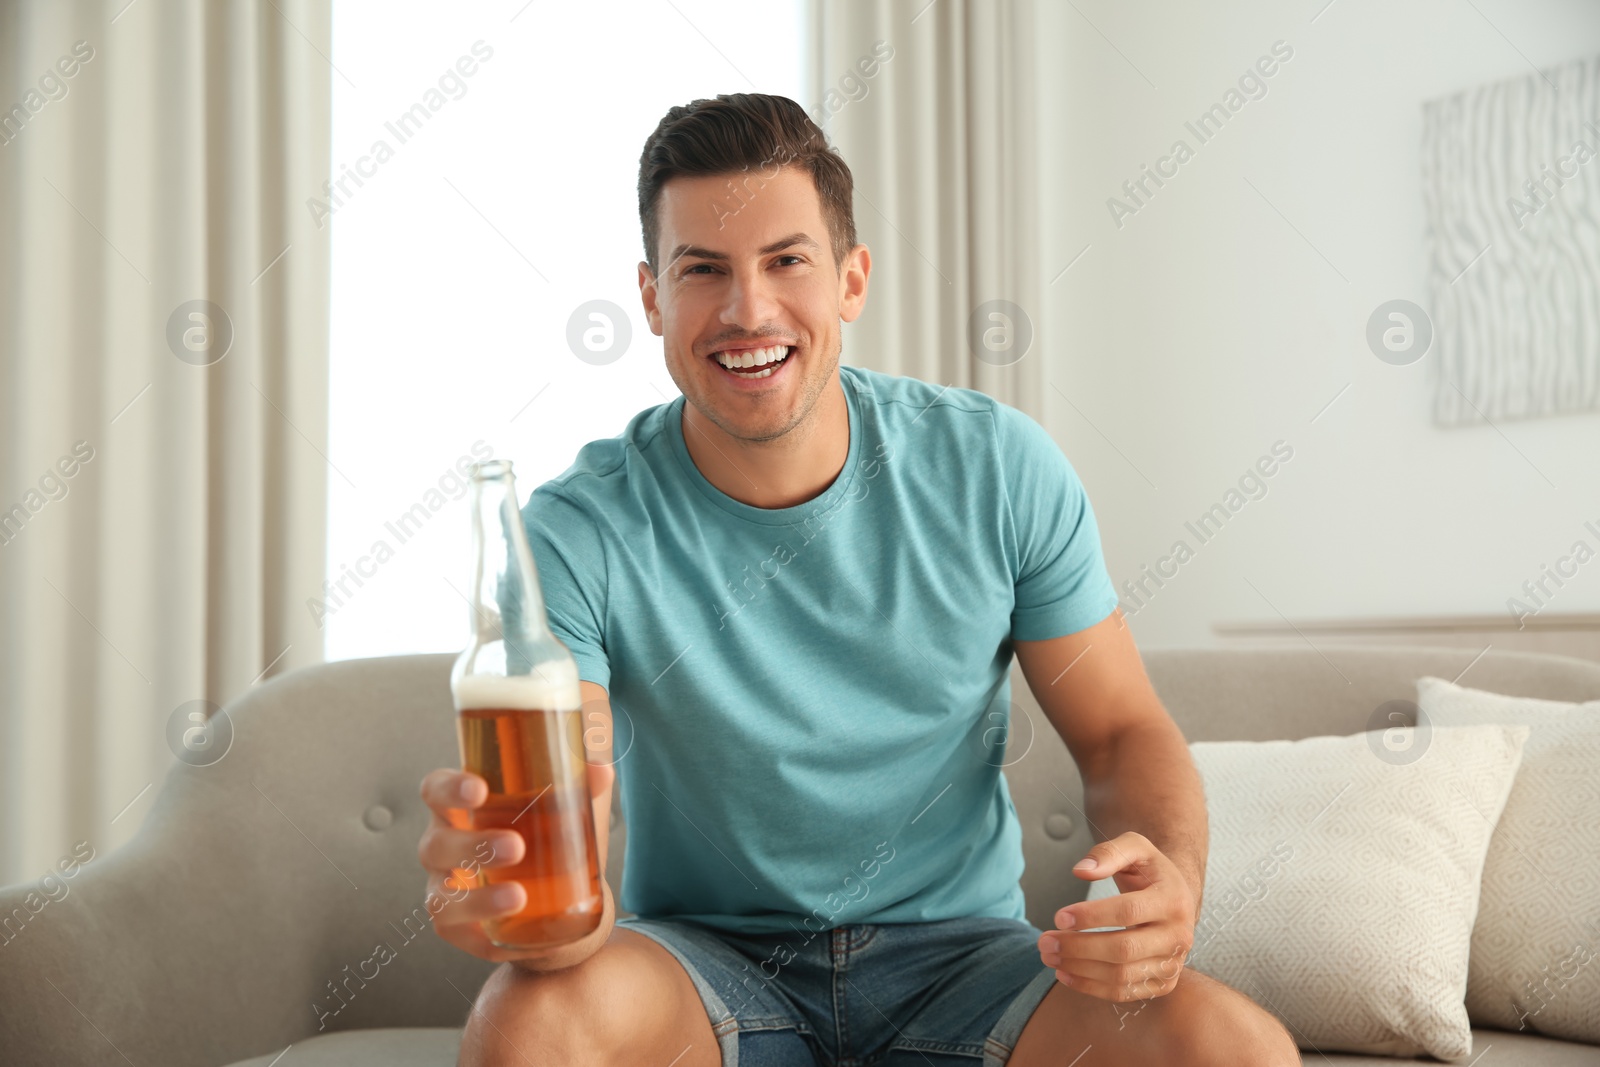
column 1490, row 1048
column 1534, row 945
column 438, row 1048
column 1342, row 882
column 409, row 1047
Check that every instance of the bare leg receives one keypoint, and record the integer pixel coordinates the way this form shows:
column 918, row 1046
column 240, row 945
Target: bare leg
column 629, row 1003
column 1201, row 1023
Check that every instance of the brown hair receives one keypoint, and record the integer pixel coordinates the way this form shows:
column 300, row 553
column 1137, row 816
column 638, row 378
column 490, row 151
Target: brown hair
column 739, row 132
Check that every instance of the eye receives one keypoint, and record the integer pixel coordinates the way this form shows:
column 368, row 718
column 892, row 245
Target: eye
column 794, row 258
column 699, row 267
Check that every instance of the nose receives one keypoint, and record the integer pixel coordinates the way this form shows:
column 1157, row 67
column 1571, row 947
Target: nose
column 750, row 301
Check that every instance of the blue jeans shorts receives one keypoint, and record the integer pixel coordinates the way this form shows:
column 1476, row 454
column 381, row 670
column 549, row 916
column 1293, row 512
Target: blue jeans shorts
column 954, row 993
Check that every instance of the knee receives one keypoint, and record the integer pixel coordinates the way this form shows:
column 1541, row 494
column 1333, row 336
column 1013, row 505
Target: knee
column 521, row 1017
column 1217, row 1026
column 1265, row 1043
column 1245, row 1042
column 1261, row 1040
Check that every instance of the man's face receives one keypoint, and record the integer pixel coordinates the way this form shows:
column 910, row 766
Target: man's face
column 750, row 278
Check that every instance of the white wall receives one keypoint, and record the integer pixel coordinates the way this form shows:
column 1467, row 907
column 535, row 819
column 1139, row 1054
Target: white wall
column 1205, row 328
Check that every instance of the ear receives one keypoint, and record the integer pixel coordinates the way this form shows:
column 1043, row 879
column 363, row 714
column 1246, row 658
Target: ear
column 650, row 297
column 853, row 273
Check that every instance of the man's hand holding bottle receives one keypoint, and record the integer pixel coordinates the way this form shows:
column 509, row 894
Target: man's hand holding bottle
column 448, row 846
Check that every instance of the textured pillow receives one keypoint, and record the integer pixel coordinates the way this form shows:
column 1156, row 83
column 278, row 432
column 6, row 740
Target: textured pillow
column 1342, row 883
column 1538, row 932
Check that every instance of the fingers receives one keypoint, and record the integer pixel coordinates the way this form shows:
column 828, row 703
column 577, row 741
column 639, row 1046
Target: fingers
column 1127, row 984
column 452, row 852
column 458, row 914
column 1108, row 857
column 1127, row 909
column 448, row 788
column 444, row 848
column 449, row 842
column 1115, row 947
column 1145, row 975
column 452, row 905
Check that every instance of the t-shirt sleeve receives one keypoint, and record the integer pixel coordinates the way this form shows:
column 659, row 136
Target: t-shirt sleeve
column 1062, row 585
column 572, row 575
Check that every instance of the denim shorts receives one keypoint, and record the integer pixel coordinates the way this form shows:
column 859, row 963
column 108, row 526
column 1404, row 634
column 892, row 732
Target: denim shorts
column 953, row 993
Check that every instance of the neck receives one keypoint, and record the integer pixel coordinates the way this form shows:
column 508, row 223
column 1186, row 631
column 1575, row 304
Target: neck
column 784, row 471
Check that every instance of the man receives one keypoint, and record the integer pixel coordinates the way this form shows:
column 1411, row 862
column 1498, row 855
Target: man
column 804, row 584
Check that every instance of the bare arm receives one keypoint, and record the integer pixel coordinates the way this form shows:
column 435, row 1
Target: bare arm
column 1137, row 772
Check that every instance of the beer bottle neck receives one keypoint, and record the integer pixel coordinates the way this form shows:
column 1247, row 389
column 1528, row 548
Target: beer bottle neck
column 507, row 602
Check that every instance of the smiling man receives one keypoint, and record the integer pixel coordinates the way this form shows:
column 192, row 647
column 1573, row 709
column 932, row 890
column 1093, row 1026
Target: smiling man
column 804, row 584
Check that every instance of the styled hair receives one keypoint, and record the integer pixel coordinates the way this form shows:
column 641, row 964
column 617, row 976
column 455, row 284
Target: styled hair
column 744, row 133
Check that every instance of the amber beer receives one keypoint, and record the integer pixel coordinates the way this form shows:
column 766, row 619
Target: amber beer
column 518, row 735
column 518, row 708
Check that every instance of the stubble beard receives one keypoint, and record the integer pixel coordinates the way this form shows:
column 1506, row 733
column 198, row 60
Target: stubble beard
column 808, row 404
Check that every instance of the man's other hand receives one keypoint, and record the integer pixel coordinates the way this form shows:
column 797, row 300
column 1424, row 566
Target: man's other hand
column 1156, row 913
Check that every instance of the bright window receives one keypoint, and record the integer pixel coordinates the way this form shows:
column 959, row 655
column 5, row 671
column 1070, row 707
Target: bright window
column 489, row 155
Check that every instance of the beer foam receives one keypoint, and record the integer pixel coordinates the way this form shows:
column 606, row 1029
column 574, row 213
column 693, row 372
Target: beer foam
column 553, row 687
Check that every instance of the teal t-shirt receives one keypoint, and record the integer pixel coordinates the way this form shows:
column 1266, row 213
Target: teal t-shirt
column 810, row 703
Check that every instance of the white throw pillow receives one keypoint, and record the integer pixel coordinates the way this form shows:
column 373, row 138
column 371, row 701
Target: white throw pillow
column 1342, row 880
column 1538, row 931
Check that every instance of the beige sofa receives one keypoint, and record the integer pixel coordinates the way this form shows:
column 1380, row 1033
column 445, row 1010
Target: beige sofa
column 215, row 937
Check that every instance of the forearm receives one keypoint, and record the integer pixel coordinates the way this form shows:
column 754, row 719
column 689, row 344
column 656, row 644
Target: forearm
column 1147, row 782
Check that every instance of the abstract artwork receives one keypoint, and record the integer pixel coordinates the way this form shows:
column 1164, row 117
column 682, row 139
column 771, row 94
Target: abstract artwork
column 1511, row 183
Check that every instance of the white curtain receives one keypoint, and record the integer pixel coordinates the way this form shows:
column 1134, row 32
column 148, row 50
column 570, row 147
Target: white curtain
column 163, row 324
column 932, row 106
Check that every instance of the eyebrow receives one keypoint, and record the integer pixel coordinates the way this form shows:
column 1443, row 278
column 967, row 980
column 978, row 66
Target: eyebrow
column 776, row 246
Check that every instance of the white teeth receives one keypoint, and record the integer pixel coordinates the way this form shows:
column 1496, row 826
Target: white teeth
column 756, row 357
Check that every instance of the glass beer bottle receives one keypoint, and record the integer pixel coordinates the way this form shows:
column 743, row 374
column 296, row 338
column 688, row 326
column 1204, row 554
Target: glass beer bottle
column 518, row 709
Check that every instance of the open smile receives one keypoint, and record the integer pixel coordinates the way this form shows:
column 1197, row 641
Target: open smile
column 752, row 364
